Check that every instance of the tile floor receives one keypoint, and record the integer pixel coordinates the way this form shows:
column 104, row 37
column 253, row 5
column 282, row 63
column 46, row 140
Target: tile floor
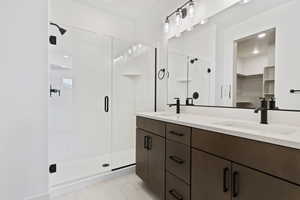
column 126, row 187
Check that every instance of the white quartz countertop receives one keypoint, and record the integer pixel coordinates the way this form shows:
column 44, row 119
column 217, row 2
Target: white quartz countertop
column 288, row 136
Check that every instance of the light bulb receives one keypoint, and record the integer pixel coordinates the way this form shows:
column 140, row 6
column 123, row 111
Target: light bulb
column 167, row 25
column 191, row 9
column 129, row 51
column 178, row 17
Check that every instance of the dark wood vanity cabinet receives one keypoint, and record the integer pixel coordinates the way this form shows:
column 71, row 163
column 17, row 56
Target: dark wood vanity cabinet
column 183, row 163
column 211, row 177
column 249, row 184
column 150, row 155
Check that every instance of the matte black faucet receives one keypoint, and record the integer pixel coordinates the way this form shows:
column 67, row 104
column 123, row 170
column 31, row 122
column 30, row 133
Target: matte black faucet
column 177, row 105
column 263, row 111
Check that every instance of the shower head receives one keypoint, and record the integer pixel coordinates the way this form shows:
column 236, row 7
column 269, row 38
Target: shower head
column 61, row 30
column 194, row 60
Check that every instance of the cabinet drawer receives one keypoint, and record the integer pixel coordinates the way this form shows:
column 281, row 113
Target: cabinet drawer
column 179, row 133
column 178, row 160
column 153, row 126
column 176, row 189
column 276, row 160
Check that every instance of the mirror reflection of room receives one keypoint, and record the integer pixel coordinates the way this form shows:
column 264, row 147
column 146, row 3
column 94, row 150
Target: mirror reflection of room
column 255, row 69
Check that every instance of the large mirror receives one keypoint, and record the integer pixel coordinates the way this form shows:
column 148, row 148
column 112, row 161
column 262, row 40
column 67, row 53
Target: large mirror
column 241, row 56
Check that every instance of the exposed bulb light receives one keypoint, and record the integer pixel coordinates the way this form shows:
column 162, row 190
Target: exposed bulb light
column 203, row 21
column 256, row 51
column 245, row 1
column 129, row 51
column 191, row 9
column 262, row 35
column 178, row 17
column 167, row 25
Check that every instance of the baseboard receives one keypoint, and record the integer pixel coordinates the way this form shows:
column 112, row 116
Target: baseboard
column 59, row 190
column 39, row 197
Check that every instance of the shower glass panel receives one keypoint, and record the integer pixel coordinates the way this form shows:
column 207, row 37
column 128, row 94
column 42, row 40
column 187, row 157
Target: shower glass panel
column 133, row 91
column 79, row 117
column 199, row 84
column 177, row 82
column 189, row 77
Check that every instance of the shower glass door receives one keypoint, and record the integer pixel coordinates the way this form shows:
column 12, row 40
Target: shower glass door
column 79, row 110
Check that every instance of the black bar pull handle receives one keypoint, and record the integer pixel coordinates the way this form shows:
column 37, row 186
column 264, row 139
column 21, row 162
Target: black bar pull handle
column 106, row 104
column 235, row 184
column 146, row 142
column 176, row 159
column 225, row 179
column 149, row 145
column 177, row 134
column 175, row 194
column 293, row 91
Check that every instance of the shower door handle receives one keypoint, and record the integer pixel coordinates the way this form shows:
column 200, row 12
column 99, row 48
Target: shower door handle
column 106, row 104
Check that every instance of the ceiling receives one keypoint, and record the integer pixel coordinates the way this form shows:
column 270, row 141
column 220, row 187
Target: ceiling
column 246, row 46
column 153, row 12
column 135, row 9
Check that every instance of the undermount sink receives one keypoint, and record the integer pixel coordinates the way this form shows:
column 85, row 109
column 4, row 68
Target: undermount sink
column 260, row 128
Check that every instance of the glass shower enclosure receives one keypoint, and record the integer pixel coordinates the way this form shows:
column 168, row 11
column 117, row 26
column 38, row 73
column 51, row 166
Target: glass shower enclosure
column 96, row 85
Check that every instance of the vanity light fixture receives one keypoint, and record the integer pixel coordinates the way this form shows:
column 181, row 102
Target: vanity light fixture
column 167, row 25
column 186, row 10
column 191, row 9
column 262, row 35
column 178, row 17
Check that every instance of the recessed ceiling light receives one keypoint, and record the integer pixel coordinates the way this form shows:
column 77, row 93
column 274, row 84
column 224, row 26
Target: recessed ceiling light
column 245, row 1
column 262, row 35
column 255, row 51
column 134, row 48
column 203, row 21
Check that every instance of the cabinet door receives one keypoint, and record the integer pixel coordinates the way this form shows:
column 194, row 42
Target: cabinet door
column 249, row 184
column 156, row 165
column 141, row 155
column 211, row 177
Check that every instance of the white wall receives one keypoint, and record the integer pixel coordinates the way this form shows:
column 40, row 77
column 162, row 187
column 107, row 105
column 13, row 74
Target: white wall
column 23, row 84
column 72, row 13
column 286, row 59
